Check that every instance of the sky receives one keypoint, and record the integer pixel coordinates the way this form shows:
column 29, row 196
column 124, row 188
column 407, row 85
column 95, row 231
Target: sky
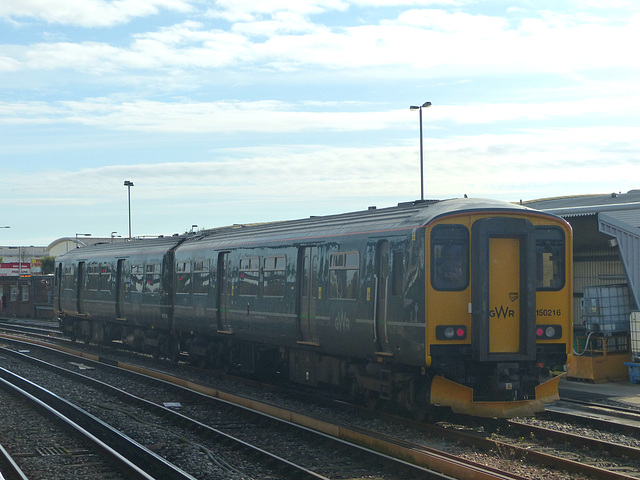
column 242, row 111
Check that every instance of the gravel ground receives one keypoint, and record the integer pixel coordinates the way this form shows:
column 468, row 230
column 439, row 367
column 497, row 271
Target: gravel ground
column 497, row 459
column 45, row 450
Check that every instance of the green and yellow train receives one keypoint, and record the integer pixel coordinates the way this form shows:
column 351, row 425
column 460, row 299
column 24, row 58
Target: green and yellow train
column 463, row 303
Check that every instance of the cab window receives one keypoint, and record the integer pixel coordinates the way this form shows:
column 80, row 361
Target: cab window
column 450, row 257
column 550, row 261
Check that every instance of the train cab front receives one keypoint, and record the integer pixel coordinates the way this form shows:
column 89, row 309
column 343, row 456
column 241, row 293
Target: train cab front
column 485, row 353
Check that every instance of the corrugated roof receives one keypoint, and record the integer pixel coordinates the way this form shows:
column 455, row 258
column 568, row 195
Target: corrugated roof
column 579, row 205
column 628, row 238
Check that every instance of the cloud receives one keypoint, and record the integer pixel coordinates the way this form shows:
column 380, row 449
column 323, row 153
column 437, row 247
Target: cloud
column 274, row 182
column 249, row 10
column 507, row 165
column 275, row 36
column 278, row 117
column 8, row 64
column 88, row 13
column 194, row 117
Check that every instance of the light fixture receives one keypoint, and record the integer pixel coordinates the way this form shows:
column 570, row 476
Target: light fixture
column 415, row 107
column 129, row 184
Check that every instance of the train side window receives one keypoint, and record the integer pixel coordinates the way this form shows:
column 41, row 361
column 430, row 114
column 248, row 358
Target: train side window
column 344, row 273
column 450, row 257
column 274, row 276
column 137, row 278
column 183, row 277
column 69, row 274
column 550, row 261
column 397, row 273
column 105, row 278
column 93, row 277
column 152, row 278
column 249, row 276
column 201, row 278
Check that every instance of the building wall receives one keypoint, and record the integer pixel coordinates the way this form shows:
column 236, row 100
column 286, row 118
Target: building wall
column 26, row 297
column 591, row 268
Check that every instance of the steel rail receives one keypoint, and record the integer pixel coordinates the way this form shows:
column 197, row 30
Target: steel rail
column 40, row 329
column 592, row 443
column 530, row 454
column 413, row 455
column 603, row 416
column 295, row 471
column 11, row 469
column 119, row 447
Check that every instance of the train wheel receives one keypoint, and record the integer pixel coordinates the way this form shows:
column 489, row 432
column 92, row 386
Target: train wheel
column 420, row 413
column 173, row 349
column 371, row 399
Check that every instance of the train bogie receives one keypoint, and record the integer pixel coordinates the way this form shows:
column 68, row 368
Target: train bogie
column 460, row 303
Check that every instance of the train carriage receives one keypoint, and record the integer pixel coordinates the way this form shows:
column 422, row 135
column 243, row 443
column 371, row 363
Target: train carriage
column 109, row 289
column 462, row 303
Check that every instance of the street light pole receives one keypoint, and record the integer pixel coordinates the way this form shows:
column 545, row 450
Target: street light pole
column 81, row 235
column 129, row 184
column 414, row 107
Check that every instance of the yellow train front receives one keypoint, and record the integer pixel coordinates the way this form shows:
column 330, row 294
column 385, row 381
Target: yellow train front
column 498, row 310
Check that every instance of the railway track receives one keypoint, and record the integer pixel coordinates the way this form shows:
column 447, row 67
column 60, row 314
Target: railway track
column 257, row 432
column 518, row 448
column 41, row 328
column 72, row 441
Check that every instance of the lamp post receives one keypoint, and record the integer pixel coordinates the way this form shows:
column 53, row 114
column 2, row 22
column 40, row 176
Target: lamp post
column 414, row 107
column 81, row 235
column 129, row 184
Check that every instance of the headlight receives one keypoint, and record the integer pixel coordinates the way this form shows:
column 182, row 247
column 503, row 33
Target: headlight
column 548, row 332
column 451, row 332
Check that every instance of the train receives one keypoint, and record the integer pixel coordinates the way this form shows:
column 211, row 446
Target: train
column 459, row 303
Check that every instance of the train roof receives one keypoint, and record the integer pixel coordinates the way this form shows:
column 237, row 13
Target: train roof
column 405, row 216
column 145, row 246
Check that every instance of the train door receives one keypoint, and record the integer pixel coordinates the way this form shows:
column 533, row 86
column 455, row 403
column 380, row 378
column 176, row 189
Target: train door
column 224, row 291
column 381, row 307
column 58, row 287
column 308, row 294
column 504, row 289
column 80, row 287
column 120, row 289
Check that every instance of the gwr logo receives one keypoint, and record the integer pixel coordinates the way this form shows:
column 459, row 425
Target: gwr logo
column 502, row 312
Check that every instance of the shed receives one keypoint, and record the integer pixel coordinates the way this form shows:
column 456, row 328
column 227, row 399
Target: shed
column 606, row 247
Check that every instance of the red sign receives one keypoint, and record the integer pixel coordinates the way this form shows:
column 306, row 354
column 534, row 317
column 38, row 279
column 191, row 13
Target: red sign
column 13, row 269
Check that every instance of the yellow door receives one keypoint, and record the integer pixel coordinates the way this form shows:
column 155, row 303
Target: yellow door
column 504, row 295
